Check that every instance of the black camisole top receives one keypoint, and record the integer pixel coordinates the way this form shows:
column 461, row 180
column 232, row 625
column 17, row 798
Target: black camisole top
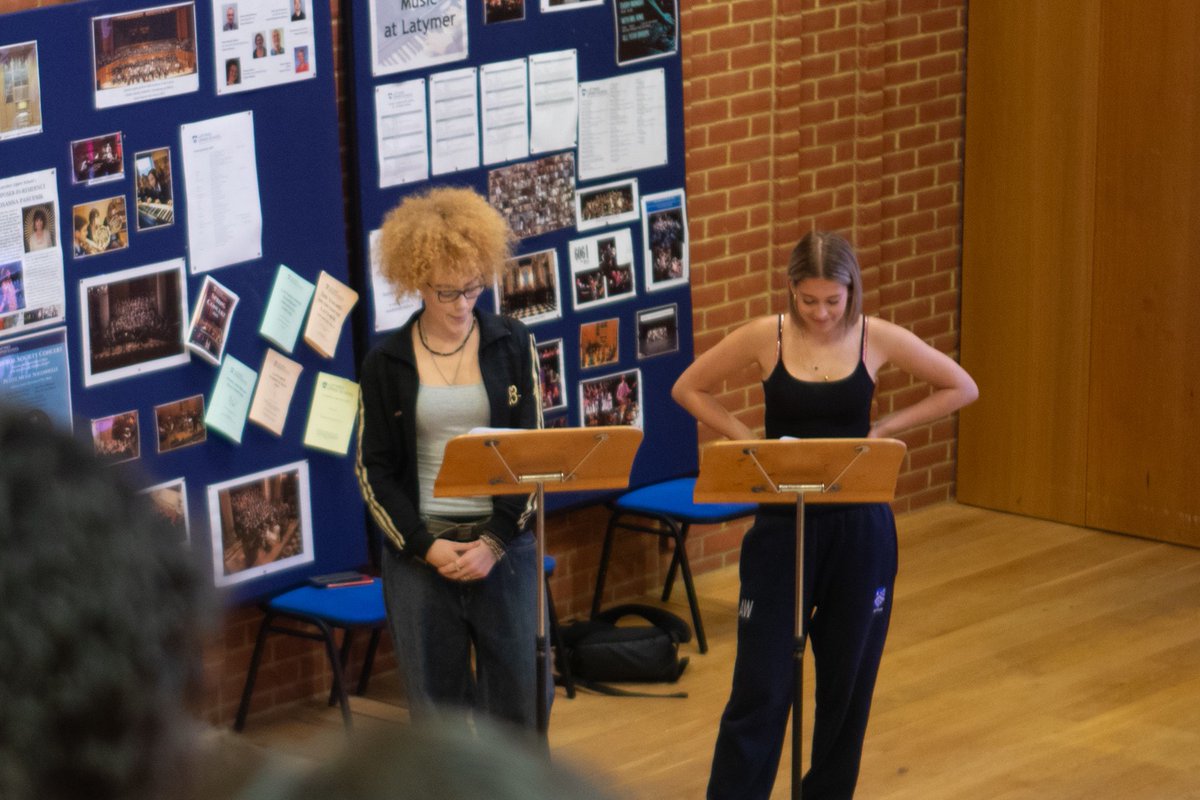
column 818, row 409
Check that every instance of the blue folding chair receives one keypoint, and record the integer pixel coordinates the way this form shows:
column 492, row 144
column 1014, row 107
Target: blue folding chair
column 349, row 608
column 670, row 504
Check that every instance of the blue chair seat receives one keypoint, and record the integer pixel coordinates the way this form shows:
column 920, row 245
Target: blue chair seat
column 670, row 504
column 345, row 608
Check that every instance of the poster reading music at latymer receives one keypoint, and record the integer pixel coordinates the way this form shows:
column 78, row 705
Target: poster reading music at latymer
column 412, row 34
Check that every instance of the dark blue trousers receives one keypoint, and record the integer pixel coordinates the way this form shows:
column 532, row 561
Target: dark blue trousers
column 850, row 569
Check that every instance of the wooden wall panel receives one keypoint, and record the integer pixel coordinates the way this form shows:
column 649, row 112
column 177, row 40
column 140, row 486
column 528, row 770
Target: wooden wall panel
column 1143, row 470
column 1027, row 232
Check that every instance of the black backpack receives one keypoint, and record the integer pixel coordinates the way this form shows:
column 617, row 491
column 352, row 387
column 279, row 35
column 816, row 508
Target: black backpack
column 600, row 650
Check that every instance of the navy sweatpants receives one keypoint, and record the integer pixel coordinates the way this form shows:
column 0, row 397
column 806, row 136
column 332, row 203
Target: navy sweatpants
column 850, row 569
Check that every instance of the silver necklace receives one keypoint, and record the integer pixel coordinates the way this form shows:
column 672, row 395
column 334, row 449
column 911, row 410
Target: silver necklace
column 452, row 380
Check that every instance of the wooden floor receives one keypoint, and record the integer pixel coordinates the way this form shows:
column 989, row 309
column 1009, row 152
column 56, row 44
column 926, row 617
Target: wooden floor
column 1026, row 659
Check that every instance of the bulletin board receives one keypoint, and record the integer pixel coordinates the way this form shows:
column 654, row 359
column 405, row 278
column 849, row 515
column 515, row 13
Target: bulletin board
column 198, row 172
column 568, row 117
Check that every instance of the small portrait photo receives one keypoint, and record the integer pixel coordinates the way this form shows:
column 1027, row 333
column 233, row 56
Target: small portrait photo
column 528, row 288
column 301, row 57
column 599, row 343
column 211, row 318
column 155, row 201
column 609, row 204
column 12, row 287
column 21, row 99
column 40, row 225
column 98, row 160
column 261, row 523
column 277, row 42
column 102, row 229
column 116, row 438
column 503, row 11
column 657, row 331
column 169, row 501
column 260, row 45
column 132, row 322
column 233, row 71
column 180, row 423
column 229, row 17
column 298, row 10
column 550, row 371
column 612, row 400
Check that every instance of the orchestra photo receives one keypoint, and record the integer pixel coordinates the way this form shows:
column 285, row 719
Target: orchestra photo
column 144, row 47
column 180, row 423
column 132, row 322
column 260, row 521
column 116, row 438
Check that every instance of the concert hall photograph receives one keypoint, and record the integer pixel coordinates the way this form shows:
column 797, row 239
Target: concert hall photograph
column 609, row 204
column 169, row 501
column 133, row 322
column 155, row 201
column 116, row 439
column 145, row 55
column 658, row 331
column 528, row 288
column 612, row 400
column 261, row 523
column 180, row 423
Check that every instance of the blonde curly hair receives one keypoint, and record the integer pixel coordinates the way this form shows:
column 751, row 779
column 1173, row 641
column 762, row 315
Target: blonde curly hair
column 453, row 232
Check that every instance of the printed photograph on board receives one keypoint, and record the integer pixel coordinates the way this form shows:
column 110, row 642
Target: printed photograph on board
column 40, row 227
column 98, row 160
column 599, row 343
column 528, row 288
column 261, row 523
column 20, row 91
column 612, row 399
column 609, row 204
column 658, row 331
column 664, row 231
column 99, row 227
column 537, row 196
column 133, row 322
column 116, row 438
column 568, row 5
column 169, row 501
column 553, row 379
column 145, row 55
column 12, row 287
column 180, row 423
column 602, row 268
column 155, row 200
column 502, row 11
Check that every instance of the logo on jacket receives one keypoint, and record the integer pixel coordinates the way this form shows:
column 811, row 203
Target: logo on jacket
column 514, row 396
column 880, row 599
column 744, row 608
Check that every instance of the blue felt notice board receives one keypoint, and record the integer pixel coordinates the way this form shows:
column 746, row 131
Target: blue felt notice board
column 295, row 149
column 406, row 50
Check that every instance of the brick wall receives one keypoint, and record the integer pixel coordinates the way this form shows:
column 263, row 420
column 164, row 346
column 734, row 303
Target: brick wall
column 836, row 114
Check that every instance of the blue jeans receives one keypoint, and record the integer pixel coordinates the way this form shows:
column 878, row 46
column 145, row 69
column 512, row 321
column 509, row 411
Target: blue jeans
column 435, row 624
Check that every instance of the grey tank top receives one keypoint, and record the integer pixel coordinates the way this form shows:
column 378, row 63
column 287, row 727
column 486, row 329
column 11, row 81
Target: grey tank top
column 444, row 412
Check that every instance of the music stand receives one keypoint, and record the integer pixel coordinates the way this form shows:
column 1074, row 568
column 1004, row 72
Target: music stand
column 782, row 471
column 507, row 461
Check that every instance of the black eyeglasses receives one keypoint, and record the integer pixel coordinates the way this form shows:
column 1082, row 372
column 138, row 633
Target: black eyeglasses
column 450, row 295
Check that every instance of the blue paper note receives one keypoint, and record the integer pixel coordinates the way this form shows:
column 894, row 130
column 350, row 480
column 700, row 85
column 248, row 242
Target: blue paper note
column 285, row 310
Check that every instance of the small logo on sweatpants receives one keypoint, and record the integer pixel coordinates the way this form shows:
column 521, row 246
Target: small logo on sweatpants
column 744, row 608
column 880, row 599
